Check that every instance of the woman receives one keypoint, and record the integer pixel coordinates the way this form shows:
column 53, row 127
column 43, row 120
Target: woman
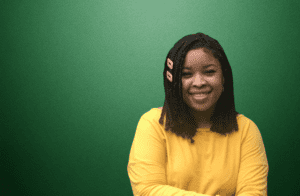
column 197, row 144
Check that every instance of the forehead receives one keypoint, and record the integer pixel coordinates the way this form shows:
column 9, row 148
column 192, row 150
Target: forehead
column 200, row 57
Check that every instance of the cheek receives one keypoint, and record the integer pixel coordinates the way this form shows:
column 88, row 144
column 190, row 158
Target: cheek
column 184, row 86
column 218, row 86
column 216, row 83
column 185, row 90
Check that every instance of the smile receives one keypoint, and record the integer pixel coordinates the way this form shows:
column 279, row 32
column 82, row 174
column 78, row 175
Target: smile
column 200, row 96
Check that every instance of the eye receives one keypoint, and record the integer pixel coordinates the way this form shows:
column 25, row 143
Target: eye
column 210, row 71
column 185, row 74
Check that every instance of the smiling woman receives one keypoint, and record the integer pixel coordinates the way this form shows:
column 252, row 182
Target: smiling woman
column 199, row 64
column 202, row 84
column 197, row 143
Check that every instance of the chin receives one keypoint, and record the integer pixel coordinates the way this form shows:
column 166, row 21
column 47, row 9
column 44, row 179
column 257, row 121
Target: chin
column 200, row 108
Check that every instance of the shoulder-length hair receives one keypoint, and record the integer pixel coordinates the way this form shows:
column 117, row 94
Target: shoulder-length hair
column 175, row 111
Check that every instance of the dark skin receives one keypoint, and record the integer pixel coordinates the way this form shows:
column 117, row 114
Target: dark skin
column 202, row 84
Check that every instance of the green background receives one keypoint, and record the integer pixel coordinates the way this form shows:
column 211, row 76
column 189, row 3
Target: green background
column 76, row 76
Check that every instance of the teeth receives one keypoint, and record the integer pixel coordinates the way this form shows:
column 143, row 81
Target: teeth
column 202, row 95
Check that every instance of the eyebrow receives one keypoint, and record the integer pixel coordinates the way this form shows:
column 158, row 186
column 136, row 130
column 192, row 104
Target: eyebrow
column 206, row 66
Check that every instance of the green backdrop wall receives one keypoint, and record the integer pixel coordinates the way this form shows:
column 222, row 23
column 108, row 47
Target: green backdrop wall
column 77, row 75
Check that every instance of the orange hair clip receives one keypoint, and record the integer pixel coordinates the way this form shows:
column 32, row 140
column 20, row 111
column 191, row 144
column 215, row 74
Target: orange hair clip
column 170, row 63
column 169, row 76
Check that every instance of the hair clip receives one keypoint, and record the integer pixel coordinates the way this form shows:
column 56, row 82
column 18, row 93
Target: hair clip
column 170, row 63
column 169, row 76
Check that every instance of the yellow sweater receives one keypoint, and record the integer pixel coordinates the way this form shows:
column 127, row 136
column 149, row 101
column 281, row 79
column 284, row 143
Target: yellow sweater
column 163, row 164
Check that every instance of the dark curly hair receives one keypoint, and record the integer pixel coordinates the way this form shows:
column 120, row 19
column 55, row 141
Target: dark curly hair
column 175, row 111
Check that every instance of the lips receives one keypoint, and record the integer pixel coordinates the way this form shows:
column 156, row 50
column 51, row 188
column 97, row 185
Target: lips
column 200, row 96
column 201, row 93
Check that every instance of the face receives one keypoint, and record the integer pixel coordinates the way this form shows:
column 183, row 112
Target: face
column 202, row 80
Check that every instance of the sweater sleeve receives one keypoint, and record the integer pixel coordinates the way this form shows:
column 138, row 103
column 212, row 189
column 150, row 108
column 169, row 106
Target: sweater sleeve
column 147, row 162
column 254, row 168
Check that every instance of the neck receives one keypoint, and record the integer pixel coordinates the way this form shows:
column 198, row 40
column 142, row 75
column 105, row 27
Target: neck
column 203, row 118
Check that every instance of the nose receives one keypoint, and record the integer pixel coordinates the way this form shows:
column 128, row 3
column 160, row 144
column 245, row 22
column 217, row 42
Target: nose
column 199, row 80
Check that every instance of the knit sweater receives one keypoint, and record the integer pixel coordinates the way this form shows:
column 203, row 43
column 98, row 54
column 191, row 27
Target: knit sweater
column 164, row 164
